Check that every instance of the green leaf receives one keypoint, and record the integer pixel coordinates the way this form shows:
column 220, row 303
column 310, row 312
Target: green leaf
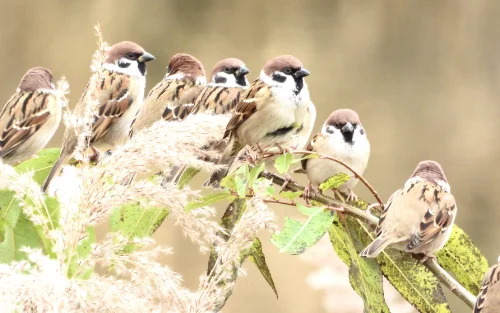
column 132, row 220
column 364, row 274
column 83, row 249
column 188, row 174
column 291, row 195
column 9, row 210
column 229, row 181
column 271, row 191
column 241, row 179
column 207, row 200
column 334, row 182
column 309, row 156
column 282, row 163
column 413, row 280
column 50, row 213
column 296, row 236
column 461, row 257
column 24, row 235
column 40, row 165
column 254, row 173
column 257, row 257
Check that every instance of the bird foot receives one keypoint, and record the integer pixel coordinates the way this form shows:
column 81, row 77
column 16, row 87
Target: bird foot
column 372, row 206
column 309, row 192
column 425, row 257
column 351, row 196
column 288, row 179
column 95, row 156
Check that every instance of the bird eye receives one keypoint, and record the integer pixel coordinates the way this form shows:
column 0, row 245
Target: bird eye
column 287, row 70
column 227, row 70
column 131, row 56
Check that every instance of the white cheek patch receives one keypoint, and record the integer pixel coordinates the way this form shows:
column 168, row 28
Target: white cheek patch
column 132, row 69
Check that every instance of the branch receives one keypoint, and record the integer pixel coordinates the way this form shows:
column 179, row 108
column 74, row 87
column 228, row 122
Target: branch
column 444, row 277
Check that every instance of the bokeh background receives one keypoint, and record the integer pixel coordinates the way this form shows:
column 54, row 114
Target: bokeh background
column 423, row 75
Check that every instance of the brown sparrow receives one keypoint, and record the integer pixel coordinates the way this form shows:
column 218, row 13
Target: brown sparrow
column 119, row 93
column 31, row 116
column 419, row 217
column 488, row 300
column 342, row 137
column 173, row 97
column 220, row 96
column 273, row 109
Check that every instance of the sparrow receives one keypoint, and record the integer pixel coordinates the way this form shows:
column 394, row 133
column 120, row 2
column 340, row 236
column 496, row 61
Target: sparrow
column 419, row 217
column 488, row 300
column 270, row 111
column 219, row 96
column 119, row 93
column 342, row 137
column 172, row 98
column 31, row 116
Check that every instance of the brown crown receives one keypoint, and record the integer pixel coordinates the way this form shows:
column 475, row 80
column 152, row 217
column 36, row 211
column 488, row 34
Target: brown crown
column 36, row 78
column 186, row 64
column 342, row 117
column 232, row 63
column 281, row 62
column 121, row 49
column 430, row 170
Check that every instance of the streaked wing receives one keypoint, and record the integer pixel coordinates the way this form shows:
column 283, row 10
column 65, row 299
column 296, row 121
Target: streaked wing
column 439, row 217
column 21, row 117
column 246, row 107
column 217, row 99
column 386, row 209
column 114, row 100
column 182, row 102
column 491, row 278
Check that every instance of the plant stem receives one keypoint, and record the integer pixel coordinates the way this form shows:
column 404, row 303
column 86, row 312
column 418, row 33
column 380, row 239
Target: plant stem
column 444, row 277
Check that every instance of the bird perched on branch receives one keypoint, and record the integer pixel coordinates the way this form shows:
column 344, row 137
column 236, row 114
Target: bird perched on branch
column 419, row 217
column 119, row 94
column 30, row 117
column 342, row 137
column 271, row 111
column 220, row 96
column 488, row 300
column 172, row 98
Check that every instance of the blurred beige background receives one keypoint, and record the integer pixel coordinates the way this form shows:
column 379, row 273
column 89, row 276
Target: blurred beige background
column 423, row 75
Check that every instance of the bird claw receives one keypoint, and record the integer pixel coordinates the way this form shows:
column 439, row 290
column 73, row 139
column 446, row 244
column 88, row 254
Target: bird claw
column 95, row 156
column 288, row 179
column 351, row 196
column 308, row 193
column 425, row 257
column 372, row 206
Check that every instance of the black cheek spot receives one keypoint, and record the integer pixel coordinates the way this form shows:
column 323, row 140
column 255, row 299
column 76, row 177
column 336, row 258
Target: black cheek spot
column 123, row 64
column 362, row 131
column 329, row 130
column 220, row 80
column 279, row 78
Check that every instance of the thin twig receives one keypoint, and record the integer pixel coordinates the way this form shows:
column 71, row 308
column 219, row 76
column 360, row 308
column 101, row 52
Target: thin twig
column 444, row 277
column 323, row 156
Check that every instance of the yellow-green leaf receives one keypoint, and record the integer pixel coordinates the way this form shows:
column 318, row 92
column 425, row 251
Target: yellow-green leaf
column 291, row 195
column 188, row 174
column 282, row 163
column 208, row 200
column 364, row 274
column 256, row 255
column 40, row 165
column 334, row 182
column 461, row 257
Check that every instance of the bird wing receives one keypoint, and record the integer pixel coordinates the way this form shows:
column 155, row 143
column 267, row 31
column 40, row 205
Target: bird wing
column 439, row 217
column 246, row 107
column 217, row 99
column 22, row 116
column 491, row 278
column 309, row 147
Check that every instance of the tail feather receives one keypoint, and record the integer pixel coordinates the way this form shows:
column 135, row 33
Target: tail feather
column 174, row 175
column 374, row 249
column 217, row 176
column 56, row 169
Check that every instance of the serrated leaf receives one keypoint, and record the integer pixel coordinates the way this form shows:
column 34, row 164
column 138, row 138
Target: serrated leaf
column 309, row 156
column 188, row 174
column 282, row 163
column 296, row 236
column 334, row 182
column 364, row 274
column 208, row 200
column 24, row 235
column 40, row 165
column 132, row 220
column 254, row 173
column 413, row 280
column 461, row 257
column 291, row 195
column 257, row 257
column 83, row 249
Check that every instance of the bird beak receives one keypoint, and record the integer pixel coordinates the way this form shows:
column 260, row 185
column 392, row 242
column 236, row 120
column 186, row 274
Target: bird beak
column 242, row 71
column 301, row 73
column 146, row 57
column 348, row 128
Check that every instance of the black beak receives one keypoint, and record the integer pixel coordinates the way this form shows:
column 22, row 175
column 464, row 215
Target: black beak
column 242, row 71
column 146, row 57
column 347, row 132
column 301, row 73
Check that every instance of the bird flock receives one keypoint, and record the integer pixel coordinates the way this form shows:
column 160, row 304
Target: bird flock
column 274, row 110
